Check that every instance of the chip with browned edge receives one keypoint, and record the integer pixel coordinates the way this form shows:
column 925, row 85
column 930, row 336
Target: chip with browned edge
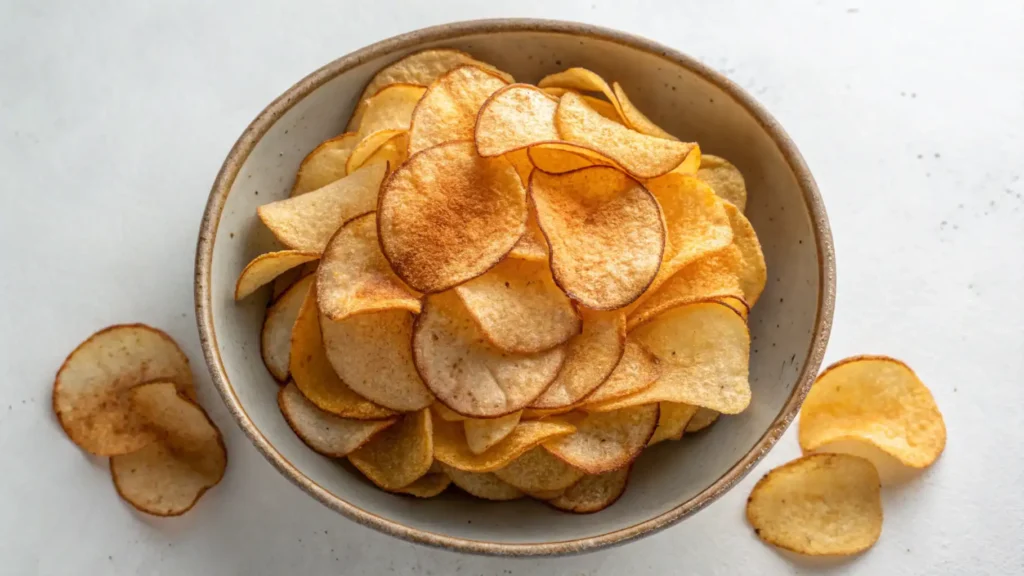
column 605, row 441
column 324, row 432
column 482, row 484
column 400, row 454
column 325, row 164
column 513, row 118
column 673, row 418
column 637, row 370
column 724, row 178
column 450, row 445
column 482, row 433
column 427, row 486
column 593, row 493
column 583, row 80
column 388, row 145
column 538, row 472
column 635, row 118
column 390, row 109
column 448, row 110
column 276, row 337
column 265, row 267
column 702, row 419
column 590, row 358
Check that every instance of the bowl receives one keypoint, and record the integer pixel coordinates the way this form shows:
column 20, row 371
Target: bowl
column 671, row 481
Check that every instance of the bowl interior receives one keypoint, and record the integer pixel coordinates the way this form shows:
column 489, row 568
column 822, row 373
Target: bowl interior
column 685, row 103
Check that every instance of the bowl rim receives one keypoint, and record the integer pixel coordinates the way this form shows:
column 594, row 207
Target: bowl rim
column 266, row 119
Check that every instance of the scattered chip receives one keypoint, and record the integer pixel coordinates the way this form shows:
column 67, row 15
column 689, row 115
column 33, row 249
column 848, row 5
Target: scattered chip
column 483, row 433
column 754, row 274
column 636, row 371
column 482, row 484
column 701, row 420
column 538, row 472
column 513, row 118
column 450, row 445
column 400, row 454
column 324, row 432
column 378, row 143
column 822, row 504
column 636, row 119
column 593, row 493
column 532, row 245
column 390, row 109
column 673, row 418
column 606, row 441
column 590, row 358
column 725, row 179
column 276, row 337
column 325, row 164
column 265, row 267
column 449, row 109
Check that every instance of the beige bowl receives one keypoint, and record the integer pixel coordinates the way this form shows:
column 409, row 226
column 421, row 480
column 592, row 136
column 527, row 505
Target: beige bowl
column 790, row 325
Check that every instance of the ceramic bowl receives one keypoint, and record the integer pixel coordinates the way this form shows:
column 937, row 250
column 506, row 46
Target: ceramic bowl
column 789, row 326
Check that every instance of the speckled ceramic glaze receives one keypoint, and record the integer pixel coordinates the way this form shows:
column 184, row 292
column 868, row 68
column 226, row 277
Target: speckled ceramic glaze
column 789, row 326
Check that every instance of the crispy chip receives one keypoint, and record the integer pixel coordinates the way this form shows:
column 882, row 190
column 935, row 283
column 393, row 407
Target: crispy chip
column 877, row 400
column 390, row 109
column 276, row 337
column 606, row 441
column 538, row 472
column 450, row 445
column 590, row 357
column 446, row 413
column 325, row 164
column 308, row 221
column 755, row 273
column 605, row 232
column 636, row 119
column 354, row 278
column 539, row 413
column 725, row 179
column 520, row 160
column 823, row 504
column 447, row 216
column 394, row 152
column 168, row 476
column 482, row 484
column 519, row 308
column 637, row 370
column 482, row 434
column 287, row 279
column 90, row 392
column 400, row 454
column 531, row 246
column 378, row 143
column 428, row 485
column 449, row 109
column 603, row 107
column 584, row 80
column 673, row 418
column 593, row 493
column 701, row 420
column 559, row 160
column 324, row 432
column 469, row 375
column 513, row 118
column 265, row 267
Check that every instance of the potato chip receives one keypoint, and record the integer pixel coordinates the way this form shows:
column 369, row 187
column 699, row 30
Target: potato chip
column 593, row 493
column 673, row 418
column 90, row 393
column 276, row 337
column 538, row 472
column 701, row 420
column 314, row 376
column 725, row 179
column 531, row 245
column 823, row 504
column 581, row 79
column 513, row 118
column 447, row 216
column 637, row 370
column 602, row 107
column 468, row 374
column 877, row 400
column 519, row 308
column 428, row 485
column 520, row 160
column 390, row 109
column 168, row 476
column 605, row 233
column 448, row 110
column 450, row 445
column 286, row 280
column 393, row 152
column 325, row 164
column 265, row 267
column 755, row 273
column 590, row 358
column 308, row 221
column 324, row 432
column 420, row 68
column 376, row 142
column 400, row 454
column 482, row 484
column 481, row 434
column 539, row 413
column 446, row 413
column 704, row 351
column 354, row 278
column 559, row 160
column 641, row 155
column 606, row 441
column 636, row 119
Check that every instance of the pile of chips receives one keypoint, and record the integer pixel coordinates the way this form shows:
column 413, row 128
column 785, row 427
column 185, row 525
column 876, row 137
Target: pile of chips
column 514, row 288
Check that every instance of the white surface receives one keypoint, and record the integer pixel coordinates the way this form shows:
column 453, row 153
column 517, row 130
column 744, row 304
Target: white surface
column 114, row 118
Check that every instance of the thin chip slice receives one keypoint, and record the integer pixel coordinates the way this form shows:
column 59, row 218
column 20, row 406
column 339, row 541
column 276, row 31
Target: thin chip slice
column 590, row 358
column 446, row 413
column 376, row 142
column 606, row 441
column 584, row 80
column 354, row 278
column 541, row 413
column 605, row 233
column 90, row 391
column 593, row 493
column 538, row 472
column 673, row 418
column 725, row 179
column 636, row 119
column 483, row 484
column 450, row 445
column 449, row 109
column 636, row 371
column 701, row 420
column 427, row 486
column 324, row 432
column 468, row 374
column 325, row 164
column 513, row 118
column 286, row 280
column 394, row 152
column 482, row 434
column 603, row 107
column 447, row 216
column 276, row 337
column 531, row 245
column 877, row 400
column 265, row 267
column 519, row 308
column 390, row 109
column 400, row 454
column 520, row 160
column 754, row 274
column 313, row 375
column 545, row 495
column 558, row 160
column 823, row 504
column 308, row 221
column 168, row 476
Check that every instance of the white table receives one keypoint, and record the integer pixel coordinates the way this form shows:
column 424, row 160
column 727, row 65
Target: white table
column 114, row 117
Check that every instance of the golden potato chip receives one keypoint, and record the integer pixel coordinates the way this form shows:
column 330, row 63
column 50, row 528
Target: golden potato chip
column 877, row 400
column 701, row 420
column 420, row 68
column 584, row 80
column 482, row 484
column 520, row 160
column 286, row 280
column 519, row 308
column 446, row 413
column 313, row 375
column 673, row 418
column 375, row 142
column 324, row 432
column 737, row 304
column 90, row 393
column 725, row 179
column 704, row 351
column 447, row 216
column 593, row 493
column 605, row 233
column 641, row 155
column 513, row 118
column 602, row 107
column 590, row 358
column 168, row 476
column 539, row 413
column 390, row 108
column 538, row 472
column 448, row 110
column 308, row 221
column 354, row 278
column 265, row 267
column 606, row 441
column 559, row 160
column 400, row 454
column 325, row 164
column 545, row 495
column 428, row 485
column 482, row 433
column 637, row 370
column 276, row 337
column 754, row 274
column 469, row 375
column 823, row 504
column 450, row 445
column 393, row 152
column 636, row 119
column 531, row 245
